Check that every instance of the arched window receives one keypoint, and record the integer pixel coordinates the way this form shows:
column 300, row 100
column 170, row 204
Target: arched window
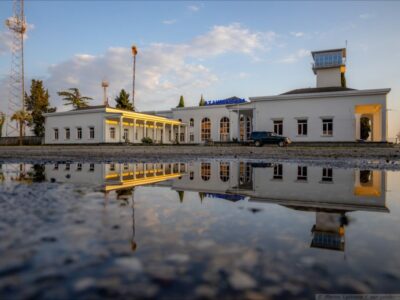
column 224, row 171
column 224, row 129
column 242, row 125
column 191, row 122
column 205, row 129
column 205, row 171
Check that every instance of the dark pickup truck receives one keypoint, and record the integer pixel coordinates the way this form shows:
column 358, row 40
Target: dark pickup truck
column 259, row 138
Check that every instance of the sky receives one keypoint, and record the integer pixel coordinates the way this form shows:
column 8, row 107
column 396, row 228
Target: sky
column 215, row 48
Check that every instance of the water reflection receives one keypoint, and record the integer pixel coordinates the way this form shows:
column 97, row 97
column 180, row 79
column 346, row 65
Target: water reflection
column 329, row 193
column 221, row 216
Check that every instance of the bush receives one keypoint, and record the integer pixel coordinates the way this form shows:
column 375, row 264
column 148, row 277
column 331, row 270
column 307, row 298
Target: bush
column 147, row 140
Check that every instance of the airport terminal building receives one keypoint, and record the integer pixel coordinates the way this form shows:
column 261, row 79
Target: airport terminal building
column 330, row 112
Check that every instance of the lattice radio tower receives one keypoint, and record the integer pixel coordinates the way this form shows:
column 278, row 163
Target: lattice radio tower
column 17, row 26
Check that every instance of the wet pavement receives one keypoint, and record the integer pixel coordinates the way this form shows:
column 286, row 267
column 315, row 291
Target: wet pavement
column 197, row 230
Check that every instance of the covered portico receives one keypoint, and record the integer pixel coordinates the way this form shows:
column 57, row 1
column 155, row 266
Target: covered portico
column 370, row 122
column 243, row 121
column 126, row 126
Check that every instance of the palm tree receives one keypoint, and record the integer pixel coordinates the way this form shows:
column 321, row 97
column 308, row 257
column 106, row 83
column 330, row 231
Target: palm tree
column 23, row 118
column 73, row 97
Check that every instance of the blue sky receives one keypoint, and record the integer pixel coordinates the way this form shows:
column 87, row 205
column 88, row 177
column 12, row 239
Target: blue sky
column 218, row 49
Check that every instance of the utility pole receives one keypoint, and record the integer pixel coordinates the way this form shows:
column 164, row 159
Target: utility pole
column 16, row 23
column 134, row 53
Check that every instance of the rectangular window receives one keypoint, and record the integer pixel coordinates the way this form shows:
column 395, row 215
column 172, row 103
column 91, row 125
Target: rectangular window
column 327, row 175
column 79, row 167
column 126, row 133
column 182, row 139
column 55, row 166
column 126, row 166
column 91, row 133
column 56, row 133
column 112, row 167
column 278, row 127
column 302, row 128
column 278, row 171
column 191, row 137
column 79, row 133
column 91, row 168
column 327, row 127
column 67, row 167
column 112, row 133
column 301, row 173
column 67, row 133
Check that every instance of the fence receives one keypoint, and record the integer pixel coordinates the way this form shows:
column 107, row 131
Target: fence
column 14, row 140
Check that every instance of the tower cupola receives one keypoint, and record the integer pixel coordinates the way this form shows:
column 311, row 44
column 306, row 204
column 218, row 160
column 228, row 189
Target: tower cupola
column 330, row 67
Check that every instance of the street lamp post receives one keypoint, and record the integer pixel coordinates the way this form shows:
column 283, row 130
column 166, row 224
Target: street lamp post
column 134, row 53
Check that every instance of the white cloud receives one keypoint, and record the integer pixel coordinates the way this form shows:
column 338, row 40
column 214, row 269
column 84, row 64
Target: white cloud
column 292, row 58
column 169, row 22
column 366, row 16
column 6, row 37
column 297, row 33
column 164, row 71
column 193, row 8
column 243, row 75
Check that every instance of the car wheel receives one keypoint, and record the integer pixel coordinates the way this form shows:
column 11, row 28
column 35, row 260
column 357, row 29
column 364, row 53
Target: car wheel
column 257, row 143
column 281, row 144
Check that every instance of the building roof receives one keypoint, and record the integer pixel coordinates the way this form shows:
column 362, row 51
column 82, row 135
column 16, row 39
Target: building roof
column 90, row 107
column 318, row 90
column 317, row 94
column 116, row 112
column 330, row 50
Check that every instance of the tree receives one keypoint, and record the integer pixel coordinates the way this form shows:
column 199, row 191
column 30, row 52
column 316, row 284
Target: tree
column 202, row 102
column 181, row 102
column 73, row 97
column 37, row 103
column 23, row 118
column 122, row 101
column 2, row 120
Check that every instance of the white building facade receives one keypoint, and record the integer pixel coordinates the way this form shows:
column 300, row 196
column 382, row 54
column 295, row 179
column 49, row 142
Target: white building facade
column 330, row 112
column 95, row 125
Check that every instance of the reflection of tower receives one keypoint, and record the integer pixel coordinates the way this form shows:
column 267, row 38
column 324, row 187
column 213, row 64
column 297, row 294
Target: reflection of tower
column 328, row 231
column 133, row 241
column 17, row 25
column 105, row 85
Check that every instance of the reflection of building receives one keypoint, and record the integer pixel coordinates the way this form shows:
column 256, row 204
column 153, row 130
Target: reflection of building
column 114, row 176
column 330, row 193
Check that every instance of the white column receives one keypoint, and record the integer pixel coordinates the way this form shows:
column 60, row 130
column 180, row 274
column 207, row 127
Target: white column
column 357, row 125
column 134, row 171
column 121, row 128
column 154, row 132
column 163, row 136
column 179, row 133
column 144, row 129
column 134, row 131
column 384, row 124
column 186, row 132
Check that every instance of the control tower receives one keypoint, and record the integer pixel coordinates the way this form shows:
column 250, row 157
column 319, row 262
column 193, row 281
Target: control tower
column 330, row 67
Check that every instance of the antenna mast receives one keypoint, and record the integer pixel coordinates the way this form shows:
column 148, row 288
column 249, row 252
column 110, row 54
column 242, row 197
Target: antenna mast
column 17, row 25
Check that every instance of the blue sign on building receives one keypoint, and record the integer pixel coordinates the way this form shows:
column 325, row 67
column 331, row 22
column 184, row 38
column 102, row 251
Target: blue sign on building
column 232, row 100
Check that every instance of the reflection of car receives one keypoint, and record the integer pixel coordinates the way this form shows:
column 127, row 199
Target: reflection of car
column 260, row 138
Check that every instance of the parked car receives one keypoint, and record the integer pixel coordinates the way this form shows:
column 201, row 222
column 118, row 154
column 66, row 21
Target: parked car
column 259, row 138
